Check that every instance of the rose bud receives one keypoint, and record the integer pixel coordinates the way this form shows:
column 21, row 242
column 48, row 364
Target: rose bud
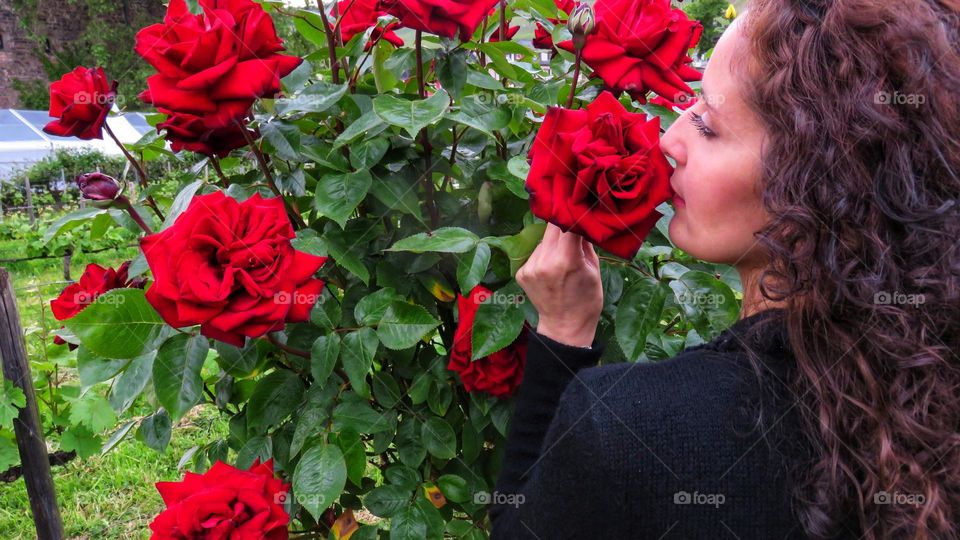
column 98, row 187
column 581, row 24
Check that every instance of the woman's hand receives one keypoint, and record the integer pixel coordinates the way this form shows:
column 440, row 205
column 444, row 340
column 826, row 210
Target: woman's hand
column 562, row 279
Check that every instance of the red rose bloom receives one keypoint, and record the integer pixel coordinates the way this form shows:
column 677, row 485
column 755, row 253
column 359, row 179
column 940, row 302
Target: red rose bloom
column 229, row 267
column 542, row 39
column 212, row 67
column 599, row 172
column 358, row 15
column 498, row 374
column 511, row 31
column 224, row 503
column 96, row 280
column 445, row 18
column 204, row 135
column 641, row 46
column 80, row 101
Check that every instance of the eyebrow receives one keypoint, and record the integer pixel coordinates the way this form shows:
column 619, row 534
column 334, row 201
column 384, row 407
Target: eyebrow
column 705, row 99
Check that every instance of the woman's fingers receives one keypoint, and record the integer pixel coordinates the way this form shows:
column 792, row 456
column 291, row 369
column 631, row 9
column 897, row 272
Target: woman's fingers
column 589, row 253
column 568, row 248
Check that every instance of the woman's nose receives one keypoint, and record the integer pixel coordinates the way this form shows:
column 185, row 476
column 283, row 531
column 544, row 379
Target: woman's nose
column 670, row 144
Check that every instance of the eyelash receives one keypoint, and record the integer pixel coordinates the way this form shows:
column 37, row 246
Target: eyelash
column 698, row 123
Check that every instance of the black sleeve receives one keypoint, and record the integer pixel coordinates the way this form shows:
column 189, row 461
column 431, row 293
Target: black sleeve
column 541, row 487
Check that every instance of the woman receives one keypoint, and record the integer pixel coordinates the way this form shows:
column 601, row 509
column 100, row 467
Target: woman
column 822, row 161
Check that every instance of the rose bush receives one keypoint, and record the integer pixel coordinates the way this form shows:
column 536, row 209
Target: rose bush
column 336, row 275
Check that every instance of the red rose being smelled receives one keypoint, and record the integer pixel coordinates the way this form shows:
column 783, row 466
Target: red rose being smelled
column 210, row 69
column 641, row 46
column 80, row 102
column 230, row 267
column 224, row 503
column 599, row 172
column 359, row 15
column 447, row 18
column 95, row 281
column 498, row 374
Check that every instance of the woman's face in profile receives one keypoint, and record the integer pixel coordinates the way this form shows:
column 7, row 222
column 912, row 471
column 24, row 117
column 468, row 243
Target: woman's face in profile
column 716, row 145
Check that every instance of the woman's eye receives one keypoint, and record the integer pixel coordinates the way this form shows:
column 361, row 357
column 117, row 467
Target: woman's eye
column 701, row 126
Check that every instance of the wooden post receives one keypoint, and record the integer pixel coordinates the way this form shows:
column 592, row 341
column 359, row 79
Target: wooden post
column 29, row 195
column 27, row 427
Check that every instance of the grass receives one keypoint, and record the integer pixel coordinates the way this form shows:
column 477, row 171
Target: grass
column 105, row 497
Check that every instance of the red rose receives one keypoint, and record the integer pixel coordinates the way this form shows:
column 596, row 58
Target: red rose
column 641, row 46
column 542, row 39
column 80, row 101
column 445, row 18
column 96, row 280
column 224, row 503
column 498, row 374
column 203, row 134
column 212, row 66
column 599, row 172
column 229, row 267
column 358, row 15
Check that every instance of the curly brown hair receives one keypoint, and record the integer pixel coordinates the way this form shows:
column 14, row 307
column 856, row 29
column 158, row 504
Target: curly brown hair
column 860, row 102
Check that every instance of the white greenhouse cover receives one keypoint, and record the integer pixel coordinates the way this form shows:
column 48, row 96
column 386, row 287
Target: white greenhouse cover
column 23, row 141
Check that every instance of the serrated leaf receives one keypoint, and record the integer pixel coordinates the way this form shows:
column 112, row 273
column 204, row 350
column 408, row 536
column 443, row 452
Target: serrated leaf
column 443, row 240
column 404, row 324
column 338, row 195
column 357, row 353
column 118, row 324
column 319, row 478
column 411, row 115
column 176, row 372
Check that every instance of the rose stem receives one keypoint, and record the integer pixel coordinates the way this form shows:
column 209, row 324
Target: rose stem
column 141, row 174
column 503, row 20
column 425, row 140
column 331, row 44
column 291, row 210
column 576, row 75
column 215, row 163
column 483, row 32
column 125, row 204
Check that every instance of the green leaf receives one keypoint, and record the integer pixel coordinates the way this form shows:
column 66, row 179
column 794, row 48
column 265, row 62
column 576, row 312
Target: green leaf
column 92, row 411
column 118, row 324
column 71, row 221
column 130, row 384
column 319, row 478
column 454, row 488
column 311, row 27
column 315, row 98
column 323, row 357
column 154, row 430
column 439, row 438
column 313, row 417
column 176, row 372
column 117, row 436
column 386, row 389
column 338, row 195
column 275, row 397
column 452, row 71
column 259, row 447
column 285, row 139
column 360, row 417
column 357, row 353
column 236, row 361
column 472, row 266
column 385, row 501
column 11, row 399
column 404, row 324
column 93, row 369
column 519, row 246
column 499, row 59
column 368, row 154
column 354, row 454
column 397, row 194
column 443, row 240
column 411, row 115
column 368, row 124
column 408, row 524
column 498, row 321
column 370, row 309
column 707, row 301
column 181, row 202
column 638, row 314
column 81, row 440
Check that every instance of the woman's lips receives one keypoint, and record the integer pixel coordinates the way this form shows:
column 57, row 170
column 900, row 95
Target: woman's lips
column 678, row 201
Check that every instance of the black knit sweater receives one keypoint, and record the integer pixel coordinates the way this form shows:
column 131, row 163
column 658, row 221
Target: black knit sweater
column 698, row 446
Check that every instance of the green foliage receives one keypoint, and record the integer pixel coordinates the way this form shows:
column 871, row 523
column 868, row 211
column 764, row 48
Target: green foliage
column 710, row 14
